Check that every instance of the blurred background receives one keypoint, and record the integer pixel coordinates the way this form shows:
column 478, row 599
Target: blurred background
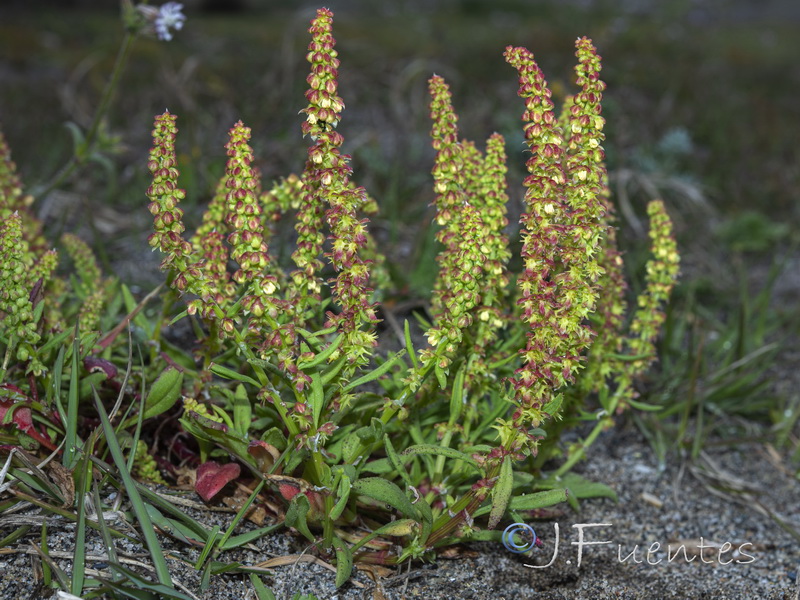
column 701, row 106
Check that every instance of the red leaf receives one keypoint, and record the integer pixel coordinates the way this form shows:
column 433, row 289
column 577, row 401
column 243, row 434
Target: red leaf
column 21, row 418
column 212, row 477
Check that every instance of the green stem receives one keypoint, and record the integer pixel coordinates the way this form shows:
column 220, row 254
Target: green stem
column 82, row 152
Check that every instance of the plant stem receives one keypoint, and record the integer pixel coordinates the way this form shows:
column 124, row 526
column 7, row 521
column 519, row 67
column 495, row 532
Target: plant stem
column 82, row 152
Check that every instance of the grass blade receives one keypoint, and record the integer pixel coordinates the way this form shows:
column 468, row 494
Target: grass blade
column 139, row 509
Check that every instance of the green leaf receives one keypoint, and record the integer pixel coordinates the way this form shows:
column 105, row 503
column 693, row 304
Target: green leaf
column 395, row 460
column 242, row 411
column 150, row 539
column 376, row 373
column 147, row 589
column 245, row 538
column 409, row 345
column 78, row 139
column 441, row 451
column 343, row 491
column 344, row 561
column 644, row 406
column 164, row 394
column 501, row 492
column 262, row 591
column 71, row 440
column 296, row 515
column 457, row 396
column 441, row 376
column 387, row 492
column 227, row 373
column 399, row 527
column 322, row 356
column 538, row 500
column 317, row 398
column 580, row 487
column 552, row 408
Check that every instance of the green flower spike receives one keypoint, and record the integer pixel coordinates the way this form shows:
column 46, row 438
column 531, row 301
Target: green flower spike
column 16, row 309
column 214, row 216
column 246, row 239
column 446, row 336
column 13, row 199
column 328, row 173
column 662, row 271
column 491, row 202
column 93, row 290
column 165, row 196
column 562, row 230
column 449, row 177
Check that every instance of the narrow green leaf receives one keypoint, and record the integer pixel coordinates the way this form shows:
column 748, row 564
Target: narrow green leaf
column 457, row 396
column 323, row 356
column 164, row 393
column 385, row 491
column 441, row 376
column 343, row 491
column 71, row 426
column 18, row 533
column 399, row 527
column 391, row 454
column 538, row 500
column 242, row 411
column 344, row 561
column 376, row 373
column 501, row 492
column 159, row 562
column 240, row 515
column 409, row 345
column 317, row 398
column 227, row 373
column 262, row 591
column 79, row 551
column 441, row 451
column 245, row 538
column 160, row 589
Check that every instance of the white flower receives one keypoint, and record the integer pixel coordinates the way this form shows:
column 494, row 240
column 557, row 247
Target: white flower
column 163, row 18
column 169, row 15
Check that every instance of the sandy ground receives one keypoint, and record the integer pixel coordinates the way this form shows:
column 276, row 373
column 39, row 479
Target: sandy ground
column 744, row 553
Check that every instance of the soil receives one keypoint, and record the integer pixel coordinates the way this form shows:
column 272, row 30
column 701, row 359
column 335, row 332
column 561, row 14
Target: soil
column 725, row 510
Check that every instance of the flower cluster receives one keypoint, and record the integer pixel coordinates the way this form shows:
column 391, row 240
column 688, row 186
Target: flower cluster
column 246, row 239
column 165, row 195
column 327, row 181
column 159, row 21
column 467, row 271
column 662, row 271
column 16, row 307
column 93, row 289
column 562, row 234
column 448, row 183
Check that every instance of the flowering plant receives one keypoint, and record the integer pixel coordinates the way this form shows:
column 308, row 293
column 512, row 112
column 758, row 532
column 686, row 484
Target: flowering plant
column 353, row 429
column 290, row 378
